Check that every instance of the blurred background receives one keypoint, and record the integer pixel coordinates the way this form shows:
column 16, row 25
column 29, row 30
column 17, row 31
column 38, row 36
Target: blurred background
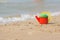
column 14, row 7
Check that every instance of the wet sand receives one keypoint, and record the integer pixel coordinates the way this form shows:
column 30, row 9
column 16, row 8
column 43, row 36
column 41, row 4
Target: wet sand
column 31, row 30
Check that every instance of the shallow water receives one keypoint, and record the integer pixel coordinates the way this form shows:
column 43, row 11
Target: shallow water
column 10, row 9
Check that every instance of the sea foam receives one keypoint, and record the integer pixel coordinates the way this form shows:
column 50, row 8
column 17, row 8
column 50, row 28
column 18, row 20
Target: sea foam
column 14, row 19
column 23, row 17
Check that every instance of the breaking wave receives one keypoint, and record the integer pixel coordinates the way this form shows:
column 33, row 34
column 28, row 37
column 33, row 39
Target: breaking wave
column 23, row 17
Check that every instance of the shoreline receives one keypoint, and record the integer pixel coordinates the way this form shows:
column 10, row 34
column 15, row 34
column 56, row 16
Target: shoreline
column 31, row 30
column 22, row 17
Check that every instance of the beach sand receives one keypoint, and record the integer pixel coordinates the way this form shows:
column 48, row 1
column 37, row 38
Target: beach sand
column 31, row 30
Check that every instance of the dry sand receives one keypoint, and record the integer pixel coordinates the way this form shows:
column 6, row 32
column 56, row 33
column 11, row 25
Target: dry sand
column 31, row 30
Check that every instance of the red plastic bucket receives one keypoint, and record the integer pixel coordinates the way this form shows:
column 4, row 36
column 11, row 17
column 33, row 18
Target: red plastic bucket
column 42, row 20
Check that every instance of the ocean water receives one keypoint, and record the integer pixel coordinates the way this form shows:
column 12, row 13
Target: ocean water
column 10, row 8
column 26, row 8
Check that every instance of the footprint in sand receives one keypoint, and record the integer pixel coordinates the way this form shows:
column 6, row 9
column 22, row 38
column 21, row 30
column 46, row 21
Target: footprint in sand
column 16, row 39
column 30, row 23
